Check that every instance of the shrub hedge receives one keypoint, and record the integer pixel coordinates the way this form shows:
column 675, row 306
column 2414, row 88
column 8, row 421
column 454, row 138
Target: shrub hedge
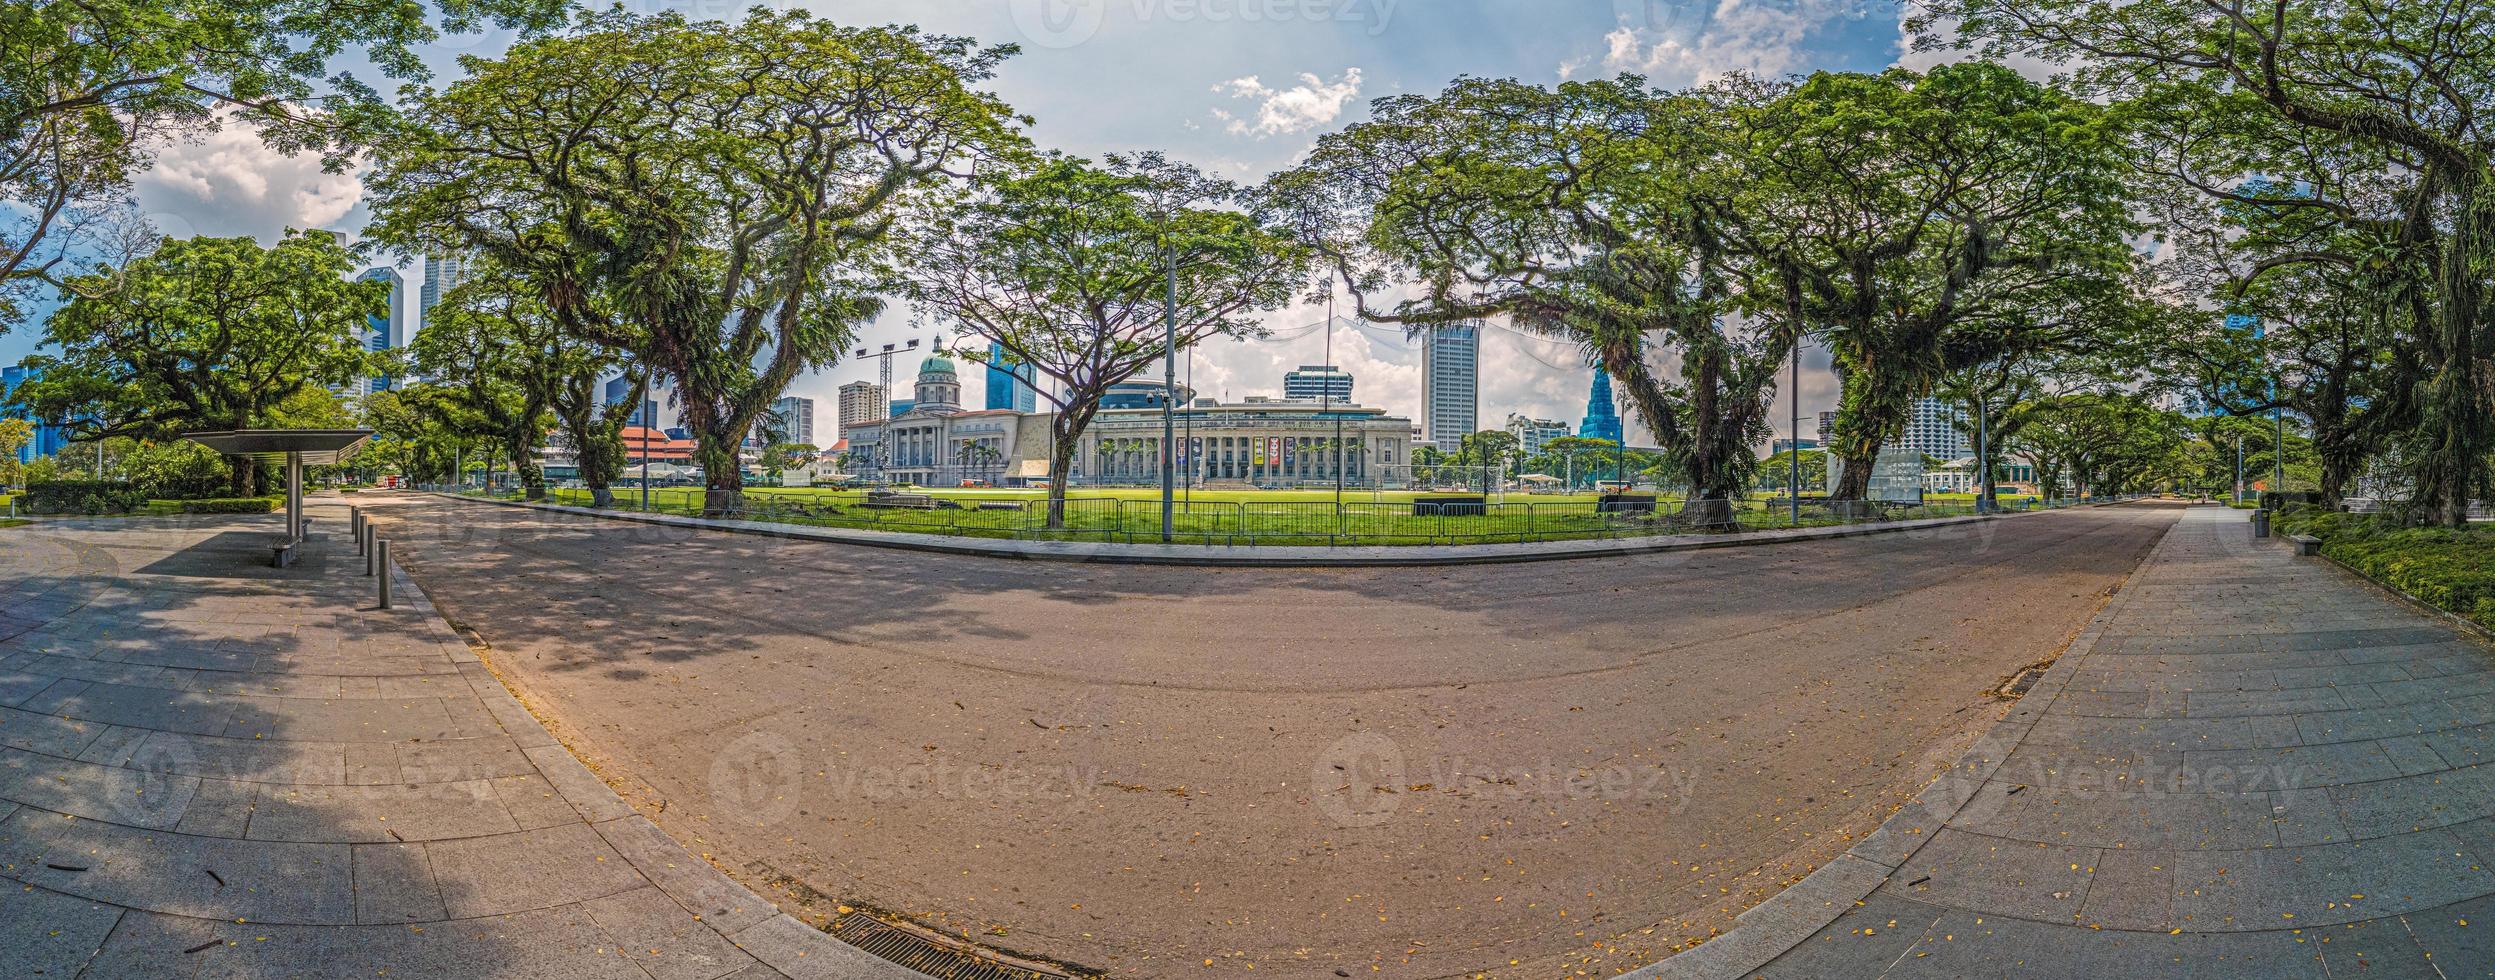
column 2450, row 569
column 81, row 497
column 231, row 505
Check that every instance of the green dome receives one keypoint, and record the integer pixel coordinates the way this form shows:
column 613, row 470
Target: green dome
column 935, row 364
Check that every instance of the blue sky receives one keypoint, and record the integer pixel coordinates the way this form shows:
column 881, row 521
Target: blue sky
column 1240, row 87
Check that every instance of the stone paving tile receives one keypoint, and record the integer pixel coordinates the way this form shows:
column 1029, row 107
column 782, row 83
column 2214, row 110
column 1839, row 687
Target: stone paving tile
column 2316, row 808
column 211, row 768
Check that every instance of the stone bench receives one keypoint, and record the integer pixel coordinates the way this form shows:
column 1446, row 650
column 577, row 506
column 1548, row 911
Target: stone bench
column 901, row 501
column 2306, row 544
column 1002, row 505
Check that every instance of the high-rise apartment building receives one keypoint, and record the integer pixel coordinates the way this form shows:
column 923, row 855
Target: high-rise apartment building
column 1010, row 385
column 796, row 417
column 1317, row 382
column 861, row 402
column 1934, row 430
column 1450, row 385
column 1532, row 433
column 1827, row 428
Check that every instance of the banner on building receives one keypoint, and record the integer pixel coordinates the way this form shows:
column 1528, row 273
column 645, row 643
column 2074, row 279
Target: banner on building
column 1290, row 453
column 1256, row 452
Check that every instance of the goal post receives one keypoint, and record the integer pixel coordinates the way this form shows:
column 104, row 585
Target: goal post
column 1489, row 481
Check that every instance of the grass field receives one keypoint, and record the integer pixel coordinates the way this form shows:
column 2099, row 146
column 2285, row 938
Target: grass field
column 1228, row 516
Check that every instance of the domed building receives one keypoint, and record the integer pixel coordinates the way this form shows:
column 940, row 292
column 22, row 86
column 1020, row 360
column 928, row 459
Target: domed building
column 934, row 442
column 939, row 387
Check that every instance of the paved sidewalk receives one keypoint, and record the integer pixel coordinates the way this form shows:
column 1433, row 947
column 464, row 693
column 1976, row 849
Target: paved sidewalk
column 2251, row 765
column 210, row 767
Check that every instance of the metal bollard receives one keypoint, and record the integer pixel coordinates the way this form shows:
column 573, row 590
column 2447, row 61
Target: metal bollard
column 355, row 526
column 371, row 560
column 381, row 550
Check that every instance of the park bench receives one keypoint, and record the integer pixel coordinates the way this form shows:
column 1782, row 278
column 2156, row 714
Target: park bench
column 2306, row 544
column 282, row 551
column 1002, row 505
column 900, row 501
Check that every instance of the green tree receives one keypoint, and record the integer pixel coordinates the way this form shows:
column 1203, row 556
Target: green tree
column 709, row 197
column 87, row 87
column 14, row 435
column 1071, row 269
column 1776, row 472
column 205, row 334
column 2403, row 84
column 2098, row 443
column 498, row 362
column 409, row 435
column 1925, row 223
column 1580, row 456
column 1594, row 213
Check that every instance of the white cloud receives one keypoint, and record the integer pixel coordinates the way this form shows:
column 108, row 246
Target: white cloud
column 1762, row 37
column 229, row 183
column 1314, row 102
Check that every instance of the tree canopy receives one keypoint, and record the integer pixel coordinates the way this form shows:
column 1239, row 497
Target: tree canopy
column 710, row 197
column 206, row 333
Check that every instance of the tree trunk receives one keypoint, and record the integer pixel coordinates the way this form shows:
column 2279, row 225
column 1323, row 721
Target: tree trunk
column 243, row 473
column 723, row 476
column 2453, row 465
column 516, row 449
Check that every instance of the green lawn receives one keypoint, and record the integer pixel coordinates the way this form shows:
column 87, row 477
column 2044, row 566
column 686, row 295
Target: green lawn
column 1216, row 516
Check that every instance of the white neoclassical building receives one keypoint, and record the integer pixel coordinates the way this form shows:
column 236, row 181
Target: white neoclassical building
column 1258, row 441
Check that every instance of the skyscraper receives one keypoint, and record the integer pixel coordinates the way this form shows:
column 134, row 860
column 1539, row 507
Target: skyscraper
column 48, row 438
column 1317, row 382
column 1827, row 428
column 620, row 389
column 387, row 332
column 796, row 419
column 1450, row 385
column 441, row 272
column 1010, row 385
column 860, row 402
column 1602, row 417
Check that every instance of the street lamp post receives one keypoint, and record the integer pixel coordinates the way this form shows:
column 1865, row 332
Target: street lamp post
column 1169, row 392
column 1793, row 446
column 641, row 407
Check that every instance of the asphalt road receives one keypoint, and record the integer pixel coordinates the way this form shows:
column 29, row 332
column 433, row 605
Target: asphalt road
column 1527, row 770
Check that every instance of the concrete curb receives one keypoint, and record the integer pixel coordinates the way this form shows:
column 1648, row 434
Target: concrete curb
column 1258, row 556
column 746, row 919
column 1791, row 917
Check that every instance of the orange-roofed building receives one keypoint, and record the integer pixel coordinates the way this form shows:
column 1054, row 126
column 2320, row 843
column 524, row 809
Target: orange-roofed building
column 657, row 446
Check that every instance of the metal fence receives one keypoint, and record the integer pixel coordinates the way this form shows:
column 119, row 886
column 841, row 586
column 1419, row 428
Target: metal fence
column 1254, row 522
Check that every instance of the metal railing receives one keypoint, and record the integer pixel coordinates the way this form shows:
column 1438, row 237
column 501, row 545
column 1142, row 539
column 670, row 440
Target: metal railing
column 1258, row 522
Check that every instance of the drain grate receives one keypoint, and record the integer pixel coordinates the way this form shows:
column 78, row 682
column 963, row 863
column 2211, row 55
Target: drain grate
column 2017, row 688
column 932, row 955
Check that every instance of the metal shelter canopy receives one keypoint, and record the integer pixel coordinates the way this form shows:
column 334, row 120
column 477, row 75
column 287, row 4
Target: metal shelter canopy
column 293, row 447
column 316, row 447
